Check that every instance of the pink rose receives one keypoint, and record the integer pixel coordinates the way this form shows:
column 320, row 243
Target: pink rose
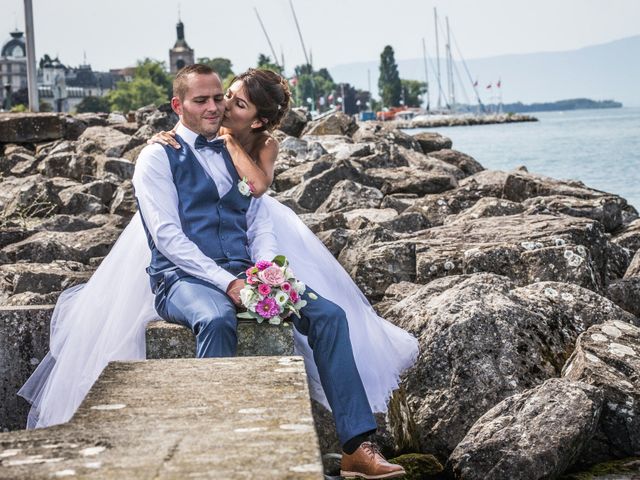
column 251, row 279
column 286, row 287
column 272, row 276
column 264, row 289
column 293, row 295
column 263, row 265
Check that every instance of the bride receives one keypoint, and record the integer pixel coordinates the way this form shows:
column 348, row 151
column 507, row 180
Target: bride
column 105, row 319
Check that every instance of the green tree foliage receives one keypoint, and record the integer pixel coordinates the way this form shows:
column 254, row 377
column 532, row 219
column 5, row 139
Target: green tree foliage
column 93, row 104
column 150, row 84
column 222, row 66
column 389, row 84
column 312, row 84
column 264, row 61
column 412, row 91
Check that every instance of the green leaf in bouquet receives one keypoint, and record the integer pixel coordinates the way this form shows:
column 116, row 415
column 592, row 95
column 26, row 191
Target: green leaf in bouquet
column 275, row 320
column 246, row 315
column 300, row 304
column 313, row 296
column 280, row 260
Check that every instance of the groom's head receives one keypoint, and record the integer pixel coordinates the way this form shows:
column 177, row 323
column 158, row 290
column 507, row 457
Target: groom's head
column 199, row 99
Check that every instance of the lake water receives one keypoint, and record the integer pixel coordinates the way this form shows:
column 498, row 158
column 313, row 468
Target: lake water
column 598, row 147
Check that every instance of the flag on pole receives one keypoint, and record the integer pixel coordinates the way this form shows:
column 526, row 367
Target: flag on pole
column 293, row 81
column 499, row 83
column 489, row 87
column 475, row 84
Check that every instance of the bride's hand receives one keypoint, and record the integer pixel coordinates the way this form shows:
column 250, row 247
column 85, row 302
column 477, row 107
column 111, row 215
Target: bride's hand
column 165, row 138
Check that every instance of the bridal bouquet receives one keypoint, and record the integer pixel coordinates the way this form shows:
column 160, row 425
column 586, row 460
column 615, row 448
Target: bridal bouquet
column 271, row 292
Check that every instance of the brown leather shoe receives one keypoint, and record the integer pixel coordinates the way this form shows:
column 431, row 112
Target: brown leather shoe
column 368, row 462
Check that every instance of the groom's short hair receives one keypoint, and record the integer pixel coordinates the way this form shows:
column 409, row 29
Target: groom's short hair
column 180, row 82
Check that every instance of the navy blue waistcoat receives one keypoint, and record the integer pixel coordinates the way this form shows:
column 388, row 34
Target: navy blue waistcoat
column 218, row 226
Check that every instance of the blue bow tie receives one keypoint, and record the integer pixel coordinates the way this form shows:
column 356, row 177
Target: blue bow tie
column 216, row 145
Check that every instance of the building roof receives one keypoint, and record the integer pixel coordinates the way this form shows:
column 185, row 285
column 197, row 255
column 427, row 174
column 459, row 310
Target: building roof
column 17, row 40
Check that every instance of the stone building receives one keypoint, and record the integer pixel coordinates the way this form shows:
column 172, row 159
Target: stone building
column 181, row 54
column 13, row 66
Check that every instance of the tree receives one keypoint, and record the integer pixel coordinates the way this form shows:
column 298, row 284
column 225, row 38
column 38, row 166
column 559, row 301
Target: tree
column 389, row 85
column 222, row 66
column 412, row 91
column 155, row 71
column 135, row 94
column 93, row 104
column 264, row 61
column 313, row 84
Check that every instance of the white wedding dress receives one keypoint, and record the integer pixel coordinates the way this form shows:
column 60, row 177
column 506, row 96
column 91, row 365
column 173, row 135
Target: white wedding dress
column 105, row 319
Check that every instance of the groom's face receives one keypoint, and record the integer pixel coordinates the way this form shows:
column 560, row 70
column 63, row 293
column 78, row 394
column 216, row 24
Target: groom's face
column 202, row 107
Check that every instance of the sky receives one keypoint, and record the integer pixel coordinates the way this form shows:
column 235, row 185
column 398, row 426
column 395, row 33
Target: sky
column 116, row 33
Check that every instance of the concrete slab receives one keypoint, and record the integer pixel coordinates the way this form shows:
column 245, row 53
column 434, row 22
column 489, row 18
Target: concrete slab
column 232, row 418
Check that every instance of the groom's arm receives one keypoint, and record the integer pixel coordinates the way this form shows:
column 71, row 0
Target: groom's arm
column 158, row 199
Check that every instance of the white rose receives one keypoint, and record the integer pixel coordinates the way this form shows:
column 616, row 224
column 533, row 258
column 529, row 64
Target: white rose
column 244, row 188
column 281, row 298
column 249, row 297
column 299, row 287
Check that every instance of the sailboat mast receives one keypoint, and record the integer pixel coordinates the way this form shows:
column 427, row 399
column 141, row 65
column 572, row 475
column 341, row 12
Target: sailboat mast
column 435, row 16
column 306, row 57
column 452, row 95
column 273, row 52
column 426, row 72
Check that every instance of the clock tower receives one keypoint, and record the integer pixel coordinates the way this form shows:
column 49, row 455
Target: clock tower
column 181, row 54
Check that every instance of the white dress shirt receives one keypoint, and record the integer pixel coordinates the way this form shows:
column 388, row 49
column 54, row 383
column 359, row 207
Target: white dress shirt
column 158, row 199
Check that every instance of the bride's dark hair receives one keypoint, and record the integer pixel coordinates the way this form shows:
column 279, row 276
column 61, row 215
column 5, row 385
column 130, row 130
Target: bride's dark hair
column 269, row 92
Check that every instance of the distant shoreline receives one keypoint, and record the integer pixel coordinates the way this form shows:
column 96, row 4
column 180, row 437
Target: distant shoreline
column 569, row 104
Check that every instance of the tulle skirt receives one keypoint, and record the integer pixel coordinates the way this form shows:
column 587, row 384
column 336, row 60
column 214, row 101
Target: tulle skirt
column 105, row 320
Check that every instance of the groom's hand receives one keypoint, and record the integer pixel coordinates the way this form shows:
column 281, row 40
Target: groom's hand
column 233, row 290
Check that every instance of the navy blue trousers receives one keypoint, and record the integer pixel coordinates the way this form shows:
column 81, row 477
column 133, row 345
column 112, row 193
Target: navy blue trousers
column 211, row 315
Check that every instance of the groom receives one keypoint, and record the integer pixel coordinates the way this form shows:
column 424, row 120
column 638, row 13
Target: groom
column 201, row 230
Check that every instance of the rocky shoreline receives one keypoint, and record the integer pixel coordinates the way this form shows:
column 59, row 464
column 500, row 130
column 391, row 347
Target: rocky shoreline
column 461, row 120
column 522, row 289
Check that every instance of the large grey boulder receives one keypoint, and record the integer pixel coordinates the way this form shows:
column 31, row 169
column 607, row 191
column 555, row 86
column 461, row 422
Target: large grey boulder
column 464, row 162
column 629, row 237
column 124, row 201
column 487, row 207
column 114, row 170
column 411, row 180
column 104, row 140
column 606, row 209
column 335, row 124
column 295, row 175
column 608, row 356
column 349, row 195
column 44, row 247
column 384, row 133
column 482, row 340
column 432, row 141
column 32, row 196
column 40, row 278
column 534, row 435
column 294, row 122
column 38, row 127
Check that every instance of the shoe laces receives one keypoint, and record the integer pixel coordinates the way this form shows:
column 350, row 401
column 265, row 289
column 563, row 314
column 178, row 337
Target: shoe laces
column 372, row 449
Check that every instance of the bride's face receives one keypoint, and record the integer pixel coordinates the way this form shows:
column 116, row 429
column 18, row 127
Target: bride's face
column 240, row 113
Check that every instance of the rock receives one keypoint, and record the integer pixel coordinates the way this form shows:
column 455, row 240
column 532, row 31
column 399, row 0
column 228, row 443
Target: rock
column 335, row 124
column 335, row 240
column 9, row 235
column 432, row 141
column 349, row 195
column 625, row 469
column 606, row 209
column 608, row 356
column 64, row 223
column 487, row 207
column 161, row 118
column 30, row 127
column 629, row 237
column 399, row 201
column 14, row 155
column 114, row 169
column 406, row 223
column 521, row 185
column 420, row 161
column 92, row 119
column 373, row 215
column 311, row 193
column 104, row 140
column 294, row 122
column 124, row 201
column 32, row 196
column 625, row 292
column 483, row 340
column 74, row 201
column 294, row 176
column 419, row 466
column 40, row 278
column 318, row 222
column 409, row 180
column 30, row 298
column 634, row 267
column 62, row 164
column 536, row 434
column 381, row 132
column 458, row 159
column 44, row 247
column 524, row 248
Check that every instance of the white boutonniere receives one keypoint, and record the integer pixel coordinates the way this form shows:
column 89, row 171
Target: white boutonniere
column 244, row 187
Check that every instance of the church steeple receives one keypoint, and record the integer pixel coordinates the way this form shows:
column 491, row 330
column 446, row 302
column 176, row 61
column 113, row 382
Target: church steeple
column 181, row 54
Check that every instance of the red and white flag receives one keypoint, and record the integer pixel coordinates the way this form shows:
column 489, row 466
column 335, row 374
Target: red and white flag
column 489, row 86
column 499, row 83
